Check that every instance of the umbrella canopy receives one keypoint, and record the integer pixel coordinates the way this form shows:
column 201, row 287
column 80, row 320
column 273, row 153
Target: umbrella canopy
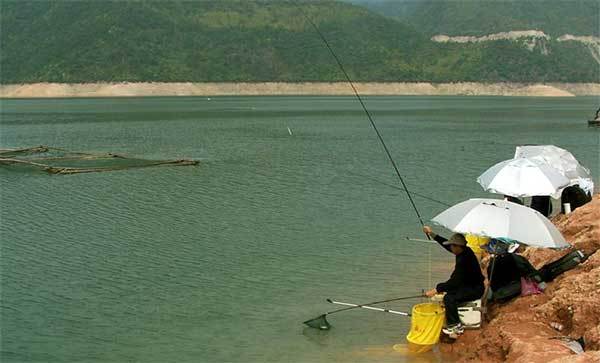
column 560, row 159
column 501, row 219
column 523, row 178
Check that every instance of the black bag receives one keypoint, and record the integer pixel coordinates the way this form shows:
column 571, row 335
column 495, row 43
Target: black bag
column 510, row 267
column 508, row 291
column 565, row 263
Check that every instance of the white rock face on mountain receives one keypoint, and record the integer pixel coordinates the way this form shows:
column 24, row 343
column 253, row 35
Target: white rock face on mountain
column 593, row 43
column 511, row 35
column 531, row 39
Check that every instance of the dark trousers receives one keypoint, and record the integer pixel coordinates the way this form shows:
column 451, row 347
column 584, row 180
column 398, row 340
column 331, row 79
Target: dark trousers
column 453, row 298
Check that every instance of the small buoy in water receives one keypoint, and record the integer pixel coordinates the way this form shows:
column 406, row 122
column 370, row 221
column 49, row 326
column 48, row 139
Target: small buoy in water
column 208, row 98
column 290, row 130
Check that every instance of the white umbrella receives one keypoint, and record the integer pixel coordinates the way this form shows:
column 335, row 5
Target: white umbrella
column 560, row 159
column 501, row 219
column 523, row 178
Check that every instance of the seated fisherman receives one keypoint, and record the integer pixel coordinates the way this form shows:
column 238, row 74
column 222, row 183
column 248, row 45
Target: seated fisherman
column 575, row 196
column 465, row 283
column 508, row 269
column 542, row 204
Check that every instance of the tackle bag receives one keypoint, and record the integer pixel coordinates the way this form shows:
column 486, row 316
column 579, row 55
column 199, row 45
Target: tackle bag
column 551, row 270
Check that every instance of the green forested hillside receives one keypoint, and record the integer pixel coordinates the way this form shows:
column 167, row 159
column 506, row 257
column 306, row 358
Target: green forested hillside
column 243, row 40
column 478, row 17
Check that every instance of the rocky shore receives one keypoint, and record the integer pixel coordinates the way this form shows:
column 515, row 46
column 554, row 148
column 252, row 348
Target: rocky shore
column 533, row 329
column 131, row 89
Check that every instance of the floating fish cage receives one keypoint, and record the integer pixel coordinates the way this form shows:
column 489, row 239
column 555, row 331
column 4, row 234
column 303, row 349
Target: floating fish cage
column 60, row 161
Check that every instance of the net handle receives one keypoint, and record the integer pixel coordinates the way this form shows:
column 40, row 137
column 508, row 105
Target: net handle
column 355, row 306
column 369, row 308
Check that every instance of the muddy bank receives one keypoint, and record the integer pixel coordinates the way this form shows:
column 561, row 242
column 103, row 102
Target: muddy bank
column 521, row 332
column 127, row 89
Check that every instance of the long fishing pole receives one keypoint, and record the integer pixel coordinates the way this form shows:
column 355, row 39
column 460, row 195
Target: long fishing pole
column 412, row 202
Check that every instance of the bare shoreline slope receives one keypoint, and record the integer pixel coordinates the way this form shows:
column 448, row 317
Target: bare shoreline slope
column 132, row 89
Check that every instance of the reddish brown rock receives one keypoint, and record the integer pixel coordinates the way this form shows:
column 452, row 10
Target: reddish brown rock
column 587, row 357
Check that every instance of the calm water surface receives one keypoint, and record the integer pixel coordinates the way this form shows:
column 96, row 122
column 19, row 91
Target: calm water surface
column 222, row 262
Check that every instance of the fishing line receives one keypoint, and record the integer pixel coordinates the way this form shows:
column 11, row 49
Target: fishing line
column 399, row 188
column 365, row 109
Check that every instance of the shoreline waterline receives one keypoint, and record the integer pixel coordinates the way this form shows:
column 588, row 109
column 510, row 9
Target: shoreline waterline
column 141, row 89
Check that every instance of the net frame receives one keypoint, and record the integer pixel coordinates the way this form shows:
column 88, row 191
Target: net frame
column 320, row 322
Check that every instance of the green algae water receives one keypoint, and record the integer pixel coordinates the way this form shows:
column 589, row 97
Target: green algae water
column 222, row 262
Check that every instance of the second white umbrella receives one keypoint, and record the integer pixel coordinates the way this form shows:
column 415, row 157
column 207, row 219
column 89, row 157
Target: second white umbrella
column 523, row 177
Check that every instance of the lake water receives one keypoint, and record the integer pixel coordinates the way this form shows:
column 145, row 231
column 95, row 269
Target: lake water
column 223, row 261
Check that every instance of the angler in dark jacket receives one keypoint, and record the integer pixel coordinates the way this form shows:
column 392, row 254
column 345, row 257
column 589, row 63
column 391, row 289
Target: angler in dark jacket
column 465, row 283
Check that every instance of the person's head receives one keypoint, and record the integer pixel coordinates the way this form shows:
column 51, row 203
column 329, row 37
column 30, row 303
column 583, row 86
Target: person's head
column 457, row 243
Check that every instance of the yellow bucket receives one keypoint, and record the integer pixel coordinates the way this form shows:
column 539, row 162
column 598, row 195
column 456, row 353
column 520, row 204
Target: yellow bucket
column 425, row 326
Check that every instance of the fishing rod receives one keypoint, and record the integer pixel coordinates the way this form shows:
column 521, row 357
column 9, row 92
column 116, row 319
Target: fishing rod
column 412, row 202
column 320, row 322
column 419, row 240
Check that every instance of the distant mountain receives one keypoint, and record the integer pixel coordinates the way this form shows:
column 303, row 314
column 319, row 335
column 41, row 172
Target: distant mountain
column 243, row 40
column 480, row 17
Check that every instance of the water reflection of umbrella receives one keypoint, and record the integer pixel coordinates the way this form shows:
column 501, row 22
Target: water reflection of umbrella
column 501, row 219
column 523, row 178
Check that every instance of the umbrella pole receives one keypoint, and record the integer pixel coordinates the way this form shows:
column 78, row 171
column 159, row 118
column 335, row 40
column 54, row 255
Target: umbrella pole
column 487, row 289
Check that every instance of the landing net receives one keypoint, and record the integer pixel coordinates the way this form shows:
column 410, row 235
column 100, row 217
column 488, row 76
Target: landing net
column 60, row 161
column 320, row 322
